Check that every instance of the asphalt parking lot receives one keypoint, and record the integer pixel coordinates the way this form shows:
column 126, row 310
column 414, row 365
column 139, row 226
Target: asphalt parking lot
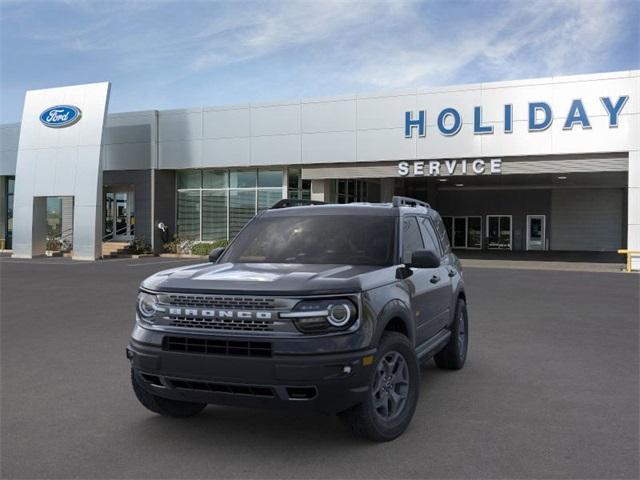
column 550, row 389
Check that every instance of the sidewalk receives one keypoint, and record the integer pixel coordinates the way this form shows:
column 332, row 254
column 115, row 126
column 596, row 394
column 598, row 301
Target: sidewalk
column 561, row 261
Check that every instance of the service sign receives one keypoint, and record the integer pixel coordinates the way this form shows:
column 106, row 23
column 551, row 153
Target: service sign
column 60, row 116
column 437, row 168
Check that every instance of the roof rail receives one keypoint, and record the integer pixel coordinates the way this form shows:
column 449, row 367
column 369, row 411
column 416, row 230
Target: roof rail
column 408, row 202
column 291, row 202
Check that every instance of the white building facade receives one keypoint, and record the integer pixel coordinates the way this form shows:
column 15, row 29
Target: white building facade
column 539, row 164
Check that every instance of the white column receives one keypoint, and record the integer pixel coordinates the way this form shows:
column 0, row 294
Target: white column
column 317, row 190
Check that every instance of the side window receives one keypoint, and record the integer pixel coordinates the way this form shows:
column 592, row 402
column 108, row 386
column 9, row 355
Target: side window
column 442, row 234
column 431, row 241
column 411, row 238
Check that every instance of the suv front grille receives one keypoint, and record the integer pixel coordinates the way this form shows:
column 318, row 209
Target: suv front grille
column 243, row 325
column 221, row 301
column 216, row 347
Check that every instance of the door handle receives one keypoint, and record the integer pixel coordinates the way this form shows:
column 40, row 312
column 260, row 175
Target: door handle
column 452, row 273
column 435, row 279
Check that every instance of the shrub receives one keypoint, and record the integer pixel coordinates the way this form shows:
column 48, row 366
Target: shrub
column 204, row 248
column 138, row 246
column 178, row 245
column 53, row 244
column 187, row 246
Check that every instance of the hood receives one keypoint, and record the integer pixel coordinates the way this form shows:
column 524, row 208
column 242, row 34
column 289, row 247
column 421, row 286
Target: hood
column 270, row 278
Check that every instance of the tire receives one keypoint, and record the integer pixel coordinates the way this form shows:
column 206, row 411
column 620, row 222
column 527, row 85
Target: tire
column 368, row 419
column 165, row 406
column 454, row 354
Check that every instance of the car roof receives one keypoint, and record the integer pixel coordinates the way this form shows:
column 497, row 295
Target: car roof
column 372, row 209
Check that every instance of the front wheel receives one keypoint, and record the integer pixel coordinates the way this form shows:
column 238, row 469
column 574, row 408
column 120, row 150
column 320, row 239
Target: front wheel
column 454, row 354
column 164, row 406
column 392, row 395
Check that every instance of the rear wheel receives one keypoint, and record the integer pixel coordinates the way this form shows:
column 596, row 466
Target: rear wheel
column 164, row 406
column 454, row 354
column 392, row 395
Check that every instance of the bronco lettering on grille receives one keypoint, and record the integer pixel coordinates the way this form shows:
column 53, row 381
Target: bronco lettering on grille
column 239, row 314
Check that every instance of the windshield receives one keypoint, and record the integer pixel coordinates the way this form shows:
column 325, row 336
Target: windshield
column 328, row 239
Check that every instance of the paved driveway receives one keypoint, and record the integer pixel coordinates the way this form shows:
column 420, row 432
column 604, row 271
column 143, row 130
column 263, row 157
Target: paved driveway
column 550, row 389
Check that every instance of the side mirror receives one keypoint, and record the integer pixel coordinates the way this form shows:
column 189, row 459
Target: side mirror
column 424, row 259
column 214, row 254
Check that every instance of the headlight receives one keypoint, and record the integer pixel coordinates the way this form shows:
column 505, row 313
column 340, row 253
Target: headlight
column 321, row 316
column 147, row 305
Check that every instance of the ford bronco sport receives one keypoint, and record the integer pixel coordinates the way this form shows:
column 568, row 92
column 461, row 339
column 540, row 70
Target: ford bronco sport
column 323, row 307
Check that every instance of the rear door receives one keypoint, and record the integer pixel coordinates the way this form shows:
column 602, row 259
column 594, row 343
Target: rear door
column 421, row 283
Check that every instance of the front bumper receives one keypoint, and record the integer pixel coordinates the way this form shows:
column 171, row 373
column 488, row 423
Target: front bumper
column 326, row 383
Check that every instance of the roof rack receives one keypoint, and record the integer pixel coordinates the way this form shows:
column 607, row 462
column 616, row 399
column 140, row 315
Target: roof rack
column 290, row 202
column 408, row 202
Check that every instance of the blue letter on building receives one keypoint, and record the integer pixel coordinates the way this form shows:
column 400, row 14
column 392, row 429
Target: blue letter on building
column 457, row 122
column 614, row 111
column 508, row 118
column 545, row 123
column 478, row 128
column 576, row 115
column 409, row 124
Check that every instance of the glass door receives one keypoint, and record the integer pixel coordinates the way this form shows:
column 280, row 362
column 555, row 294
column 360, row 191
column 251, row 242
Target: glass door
column 474, row 232
column 536, row 232
column 121, row 215
column 119, row 219
column 499, row 232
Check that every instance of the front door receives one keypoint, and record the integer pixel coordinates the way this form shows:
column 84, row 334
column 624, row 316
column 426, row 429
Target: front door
column 536, row 232
column 499, row 232
column 119, row 220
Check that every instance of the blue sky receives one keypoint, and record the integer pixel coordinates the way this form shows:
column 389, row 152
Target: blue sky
column 161, row 54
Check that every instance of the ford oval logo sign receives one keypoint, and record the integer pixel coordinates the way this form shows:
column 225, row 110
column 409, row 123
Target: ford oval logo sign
column 60, row 116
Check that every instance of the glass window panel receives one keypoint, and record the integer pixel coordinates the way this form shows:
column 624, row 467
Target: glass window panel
column 505, row 232
column 293, row 194
column 270, row 178
column 411, row 238
column 214, row 215
column 445, row 230
column 429, row 236
column 294, row 178
column 242, row 207
column 242, row 178
column 459, row 232
column 474, row 232
column 267, row 198
column 306, row 190
column 215, row 179
column 54, row 216
column 189, row 215
column 10, row 185
column 189, row 179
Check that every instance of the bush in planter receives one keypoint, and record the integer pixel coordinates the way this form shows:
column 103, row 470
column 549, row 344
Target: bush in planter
column 179, row 245
column 53, row 244
column 138, row 246
column 204, row 248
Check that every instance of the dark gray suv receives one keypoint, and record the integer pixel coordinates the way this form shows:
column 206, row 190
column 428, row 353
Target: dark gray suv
column 322, row 307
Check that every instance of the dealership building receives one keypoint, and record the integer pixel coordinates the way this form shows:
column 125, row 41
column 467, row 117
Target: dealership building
column 539, row 164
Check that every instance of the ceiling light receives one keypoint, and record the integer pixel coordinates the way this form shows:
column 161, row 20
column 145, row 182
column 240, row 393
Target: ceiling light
column 562, row 177
column 443, row 180
column 459, row 184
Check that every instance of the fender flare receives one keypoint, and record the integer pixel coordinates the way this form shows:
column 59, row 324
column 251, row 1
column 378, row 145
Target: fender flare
column 395, row 309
